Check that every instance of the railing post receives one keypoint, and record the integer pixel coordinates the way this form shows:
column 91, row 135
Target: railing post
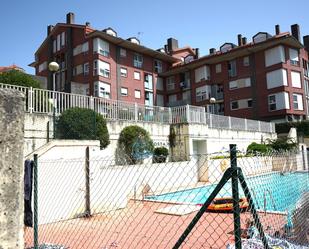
column 246, row 125
column 210, row 120
column 230, row 123
column 259, row 125
column 91, row 104
column 87, row 184
column 30, row 100
column 235, row 193
column 135, row 112
column 170, row 117
column 35, row 202
column 204, row 116
column 188, row 118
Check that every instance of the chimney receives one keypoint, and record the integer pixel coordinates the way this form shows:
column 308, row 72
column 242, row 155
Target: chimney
column 87, row 24
column 212, row 51
column 277, row 28
column 197, row 53
column 295, row 31
column 239, row 39
column 166, row 49
column 244, row 40
column 172, row 44
column 306, row 42
column 49, row 29
column 70, row 18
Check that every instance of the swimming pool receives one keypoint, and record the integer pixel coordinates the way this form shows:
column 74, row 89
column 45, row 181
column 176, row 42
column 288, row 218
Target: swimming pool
column 281, row 191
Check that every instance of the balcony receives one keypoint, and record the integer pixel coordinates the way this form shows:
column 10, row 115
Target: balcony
column 148, row 86
column 179, row 103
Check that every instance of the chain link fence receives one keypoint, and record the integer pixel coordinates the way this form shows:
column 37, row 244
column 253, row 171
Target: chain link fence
column 222, row 200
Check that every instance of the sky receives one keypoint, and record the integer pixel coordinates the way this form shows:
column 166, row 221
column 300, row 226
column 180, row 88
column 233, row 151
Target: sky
column 199, row 23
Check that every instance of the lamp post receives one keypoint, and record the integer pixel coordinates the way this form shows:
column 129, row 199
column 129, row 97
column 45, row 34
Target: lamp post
column 212, row 101
column 54, row 67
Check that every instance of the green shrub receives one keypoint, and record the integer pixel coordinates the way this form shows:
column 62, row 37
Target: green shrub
column 134, row 143
column 82, row 124
column 15, row 77
column 282, row 144
column 160, row 154
column 302, row 127
column 255, row 148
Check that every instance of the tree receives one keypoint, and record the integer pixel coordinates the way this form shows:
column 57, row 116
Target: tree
column 160, row 154
column 15, row 77
column 134, row 144
column 82, row 124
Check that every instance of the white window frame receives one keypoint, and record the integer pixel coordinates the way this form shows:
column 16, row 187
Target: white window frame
column 218, row 68
column 158, row 66
column 124, row 91
column 137, row 94
column 296, row 79
column 123, row 52
column 231, row 103
column 105, row 70
column 294, row 60
column 124, row 72
column 137, row 60
column 298, row 102
column 86, row 68
column 170, row 83
column 246, row 61
column 62, row 39
column 201, row 95
column 135, row 75
column 272, row 102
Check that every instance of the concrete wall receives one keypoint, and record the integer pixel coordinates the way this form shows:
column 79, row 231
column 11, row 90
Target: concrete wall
column 214, row 139
column 11, row 169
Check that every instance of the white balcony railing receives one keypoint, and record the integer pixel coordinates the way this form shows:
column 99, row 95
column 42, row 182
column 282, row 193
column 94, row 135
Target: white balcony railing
column 41, row 101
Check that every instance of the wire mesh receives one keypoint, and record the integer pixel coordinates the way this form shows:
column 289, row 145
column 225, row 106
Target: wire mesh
column 149, row 205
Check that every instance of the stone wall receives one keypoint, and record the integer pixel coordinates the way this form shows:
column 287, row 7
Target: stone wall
column 11, row 169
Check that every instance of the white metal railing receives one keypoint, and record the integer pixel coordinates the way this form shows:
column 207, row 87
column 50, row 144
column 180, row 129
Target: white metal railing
column 41, row 101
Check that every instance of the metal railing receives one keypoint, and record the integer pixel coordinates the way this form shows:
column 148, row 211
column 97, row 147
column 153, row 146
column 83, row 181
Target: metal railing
column 41, row 101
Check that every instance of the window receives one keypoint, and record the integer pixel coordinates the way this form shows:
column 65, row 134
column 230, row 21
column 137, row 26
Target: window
column 148, row 81
column 294, row 60
column 232, row 68
column 249, row 103
column 201, row 93
column 172, row 98
column 124, row 91
column 274, row 56
column 276, row 78
column 82, row 48
column 137, row 94
column 123, row 52
column 170, row 83
column 55, row 46
column 100, row 46
column 202, row 73
column 58, row 42
column 105, row 69
column 138, row 61
column 159, row 84
column 123, row 72
column 86, row 68
column 240, row 83
column 218, row 68
column 272, row 102
column 77, row 70
column 298, row 102
column 85, row 47
column 62, row 39
column 160, row 100
column 95, row 67
column 137, row 75
column 234, row 105
column 296, row 79
column 102, row 90
column 246, row 61
column 158, row 66
column 43, row 66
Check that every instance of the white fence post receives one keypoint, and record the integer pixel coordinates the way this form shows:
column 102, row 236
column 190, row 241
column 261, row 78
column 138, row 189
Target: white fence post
column 170, row 117
column 204, row 117
column 188, row 118
column 30, row 100
column 246, row 125
column 230, row 123
column 135, row 112
column 91, row 106
column 259, row 126
column 210, row 120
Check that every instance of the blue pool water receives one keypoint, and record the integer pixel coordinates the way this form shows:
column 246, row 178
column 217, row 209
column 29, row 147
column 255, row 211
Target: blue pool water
column 285, row 190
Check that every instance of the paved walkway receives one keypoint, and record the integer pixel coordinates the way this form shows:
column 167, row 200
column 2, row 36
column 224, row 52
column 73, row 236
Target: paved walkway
column 138, row 226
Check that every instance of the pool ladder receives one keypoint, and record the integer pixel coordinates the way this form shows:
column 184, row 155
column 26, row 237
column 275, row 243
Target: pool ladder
column 271, row 198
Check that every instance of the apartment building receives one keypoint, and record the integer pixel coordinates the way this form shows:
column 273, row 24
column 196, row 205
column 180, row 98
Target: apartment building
column 99, row 63
column 265, row 78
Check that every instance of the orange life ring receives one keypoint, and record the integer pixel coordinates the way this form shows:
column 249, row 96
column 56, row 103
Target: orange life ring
column 225, row 205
